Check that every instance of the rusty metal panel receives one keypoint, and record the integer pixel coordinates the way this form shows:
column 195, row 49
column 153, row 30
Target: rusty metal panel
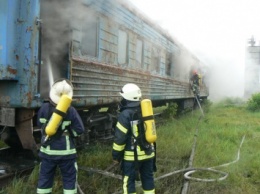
column 24, row 128
column 98, row 80
column 7, row 117
column 19, row 53
column 99, row 84
column 8, row 60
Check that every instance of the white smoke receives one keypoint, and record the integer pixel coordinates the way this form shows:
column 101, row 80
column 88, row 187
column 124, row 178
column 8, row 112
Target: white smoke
column 216, row 31
column 59, row 17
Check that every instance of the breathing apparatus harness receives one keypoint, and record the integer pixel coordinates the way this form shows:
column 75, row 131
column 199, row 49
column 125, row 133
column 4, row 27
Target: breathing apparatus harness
column 60, row 94
column 140, row 136
column 59, row 132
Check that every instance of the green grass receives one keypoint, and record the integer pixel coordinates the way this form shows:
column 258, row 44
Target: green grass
column 2, row 144
column 218, row 135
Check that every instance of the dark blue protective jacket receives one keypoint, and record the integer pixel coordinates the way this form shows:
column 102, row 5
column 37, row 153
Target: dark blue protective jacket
column 125, row 131
column 61, row 145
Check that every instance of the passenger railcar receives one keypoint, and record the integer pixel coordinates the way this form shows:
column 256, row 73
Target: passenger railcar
column 99, row 45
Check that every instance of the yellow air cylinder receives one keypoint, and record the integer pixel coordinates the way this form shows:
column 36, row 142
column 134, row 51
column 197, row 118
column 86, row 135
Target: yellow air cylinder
column 56, row 118
column 149, row 123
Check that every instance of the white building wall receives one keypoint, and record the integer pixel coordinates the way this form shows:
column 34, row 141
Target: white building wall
column 252, row 70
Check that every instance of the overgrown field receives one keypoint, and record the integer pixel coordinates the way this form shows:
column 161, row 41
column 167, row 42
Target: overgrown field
column 228, row 134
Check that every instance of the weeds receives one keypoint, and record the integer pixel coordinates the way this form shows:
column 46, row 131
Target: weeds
column 218, row 139
column 171, row 110
column 253, row 104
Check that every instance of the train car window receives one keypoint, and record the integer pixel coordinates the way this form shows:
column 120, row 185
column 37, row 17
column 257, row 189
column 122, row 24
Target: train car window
column 168, row 64
column 139, row 52
column 89, row 38
column 122, row 47
column 162, row 64
column 155, row 60
column 147, row 56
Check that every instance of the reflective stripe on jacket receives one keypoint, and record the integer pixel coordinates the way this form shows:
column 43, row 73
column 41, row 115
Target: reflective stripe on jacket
column 61, row 146
column 123, row 146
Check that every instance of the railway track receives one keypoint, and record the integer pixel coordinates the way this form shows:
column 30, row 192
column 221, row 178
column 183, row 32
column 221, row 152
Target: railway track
column 14, row 163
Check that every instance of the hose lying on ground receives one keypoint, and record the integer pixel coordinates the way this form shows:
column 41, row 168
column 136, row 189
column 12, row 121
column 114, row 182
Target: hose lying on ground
column 189, row 171
column 187, row 174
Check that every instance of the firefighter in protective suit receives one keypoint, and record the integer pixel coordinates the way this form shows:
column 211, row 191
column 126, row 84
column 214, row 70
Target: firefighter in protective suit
column 195, row 83
column 135, row 160
column 59, row 149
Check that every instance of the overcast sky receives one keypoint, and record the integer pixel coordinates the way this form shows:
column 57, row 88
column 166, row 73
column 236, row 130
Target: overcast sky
column 215, row 30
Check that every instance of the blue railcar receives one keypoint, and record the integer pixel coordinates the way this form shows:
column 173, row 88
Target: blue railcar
column 99, row 45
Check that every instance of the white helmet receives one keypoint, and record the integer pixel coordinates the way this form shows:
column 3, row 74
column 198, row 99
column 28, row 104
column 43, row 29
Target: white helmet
column 59, row 88
column 131, row 92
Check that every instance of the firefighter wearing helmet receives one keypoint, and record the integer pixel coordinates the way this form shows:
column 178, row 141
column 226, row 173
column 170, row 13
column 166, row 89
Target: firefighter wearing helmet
column 60, row 123
column 135, row 159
